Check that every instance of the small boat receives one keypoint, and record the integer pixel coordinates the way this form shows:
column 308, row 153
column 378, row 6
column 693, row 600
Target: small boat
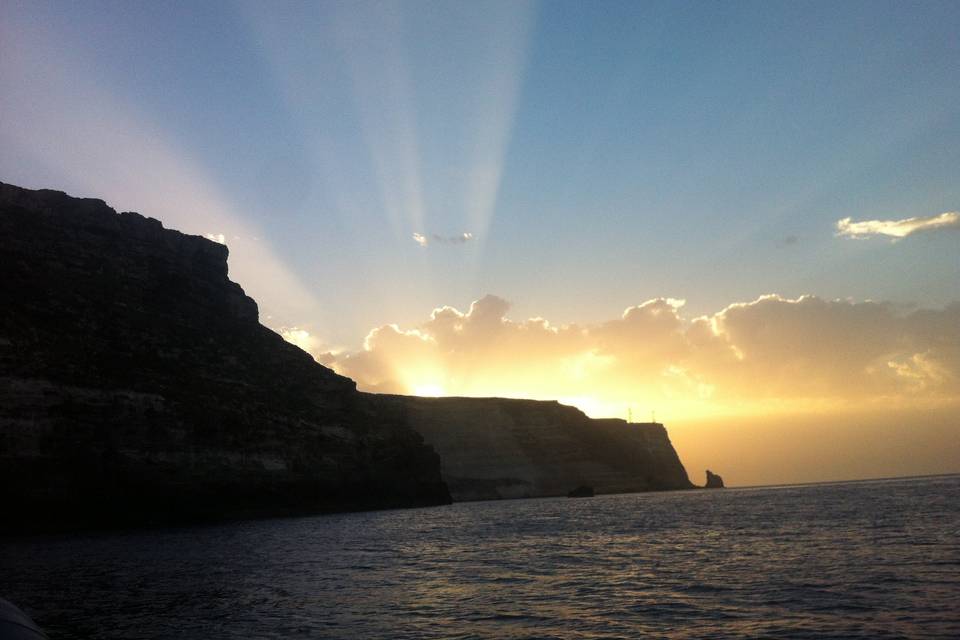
column 583, row 491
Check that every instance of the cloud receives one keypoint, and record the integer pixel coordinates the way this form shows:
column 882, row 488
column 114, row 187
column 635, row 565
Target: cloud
column 216, row 237
column 897, row 228
column 301, row 338
column 461, row 238
column 771, row 349
column 310, row 343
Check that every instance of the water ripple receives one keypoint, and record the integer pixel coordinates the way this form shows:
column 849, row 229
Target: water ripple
column 857, row 560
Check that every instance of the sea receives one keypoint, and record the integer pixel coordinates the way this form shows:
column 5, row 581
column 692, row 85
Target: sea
column 877, row 559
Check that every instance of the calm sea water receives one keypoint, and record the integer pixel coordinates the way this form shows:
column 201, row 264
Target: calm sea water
column 871, row 560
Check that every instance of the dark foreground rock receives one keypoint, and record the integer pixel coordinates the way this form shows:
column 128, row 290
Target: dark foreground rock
column 16, row 625
column 714, row 481
column 137, row 385
column 493, row 448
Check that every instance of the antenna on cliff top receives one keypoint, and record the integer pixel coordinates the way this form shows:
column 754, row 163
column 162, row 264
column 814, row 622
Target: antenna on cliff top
column 629, row 414
column 653, row 417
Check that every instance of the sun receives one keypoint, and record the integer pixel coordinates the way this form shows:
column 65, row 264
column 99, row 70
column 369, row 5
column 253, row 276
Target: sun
column 429, row 390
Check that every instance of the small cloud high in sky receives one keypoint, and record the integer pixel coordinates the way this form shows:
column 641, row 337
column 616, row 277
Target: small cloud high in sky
column 949, row 220
column 371, row 161
column 435, row 238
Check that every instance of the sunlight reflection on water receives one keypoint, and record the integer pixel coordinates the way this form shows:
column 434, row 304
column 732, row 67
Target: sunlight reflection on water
column 872, row 560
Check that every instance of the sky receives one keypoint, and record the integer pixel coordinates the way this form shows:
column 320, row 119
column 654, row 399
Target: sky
column 740, row 217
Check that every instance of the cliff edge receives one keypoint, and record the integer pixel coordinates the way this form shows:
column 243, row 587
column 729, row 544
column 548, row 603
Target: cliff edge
column 137, row 384
column 493, row 448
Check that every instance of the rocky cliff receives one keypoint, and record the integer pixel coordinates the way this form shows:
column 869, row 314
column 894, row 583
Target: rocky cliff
column 500, row 448
column 137, row 384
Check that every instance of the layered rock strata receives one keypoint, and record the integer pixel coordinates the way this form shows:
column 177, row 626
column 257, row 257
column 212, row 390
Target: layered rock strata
column 494, row 448
column 137, row 384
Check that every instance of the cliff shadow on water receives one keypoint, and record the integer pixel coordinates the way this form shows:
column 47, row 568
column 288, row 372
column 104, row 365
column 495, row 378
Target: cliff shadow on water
column 137, row 385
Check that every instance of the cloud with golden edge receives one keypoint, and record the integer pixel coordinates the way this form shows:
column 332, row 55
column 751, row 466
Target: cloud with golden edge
column 301, row 338
column 897, row 229
column 770, row 350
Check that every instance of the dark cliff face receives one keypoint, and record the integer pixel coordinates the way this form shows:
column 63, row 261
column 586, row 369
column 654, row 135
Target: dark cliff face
column 501, row 448
column 136, row 383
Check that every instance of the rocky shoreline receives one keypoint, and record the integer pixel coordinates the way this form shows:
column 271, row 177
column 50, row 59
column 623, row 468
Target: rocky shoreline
column 137, row 386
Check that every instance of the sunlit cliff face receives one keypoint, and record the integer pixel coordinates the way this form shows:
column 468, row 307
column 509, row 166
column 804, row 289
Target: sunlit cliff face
column 769, row 355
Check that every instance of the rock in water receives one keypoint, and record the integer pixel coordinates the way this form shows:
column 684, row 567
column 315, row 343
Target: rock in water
column 137, row 385
column 583, row 491
column 713, row 481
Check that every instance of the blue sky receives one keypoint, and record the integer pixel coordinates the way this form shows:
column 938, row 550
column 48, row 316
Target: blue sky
column 600, row 154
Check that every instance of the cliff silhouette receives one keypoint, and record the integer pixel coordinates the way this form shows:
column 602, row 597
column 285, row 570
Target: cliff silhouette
column 137, row 385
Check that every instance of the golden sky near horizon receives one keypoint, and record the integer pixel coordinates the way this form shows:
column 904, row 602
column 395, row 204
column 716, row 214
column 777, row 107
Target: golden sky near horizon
column 810, row 372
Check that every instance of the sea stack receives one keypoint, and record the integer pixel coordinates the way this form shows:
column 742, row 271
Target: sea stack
column 714, row 481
